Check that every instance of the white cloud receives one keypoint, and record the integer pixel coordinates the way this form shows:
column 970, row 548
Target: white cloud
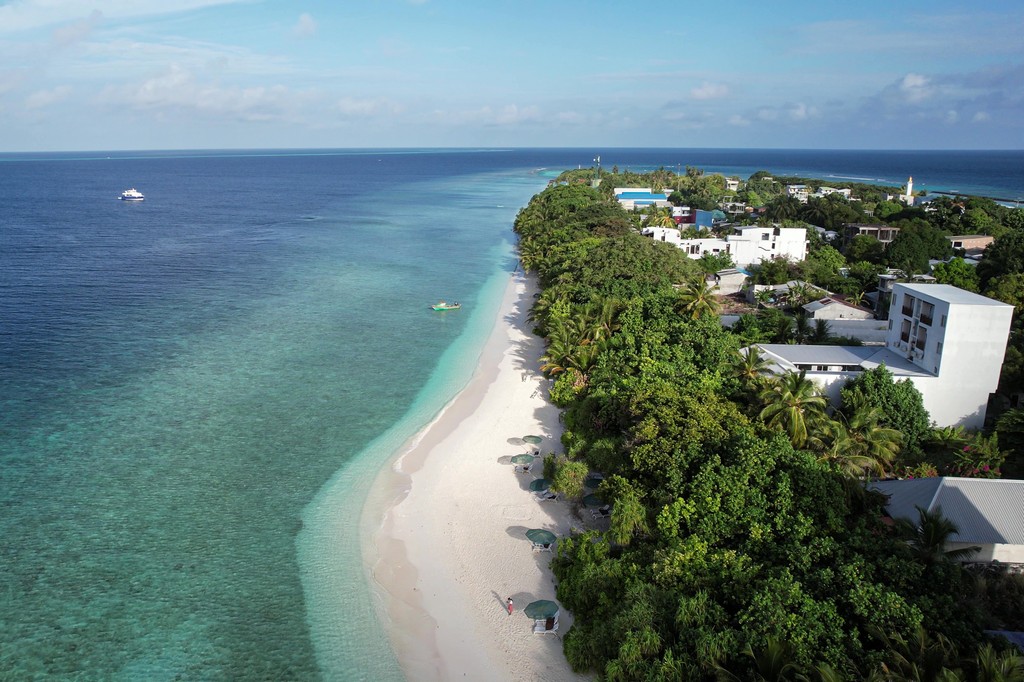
column 179, row 90
column 709, row 91
column 737, row 120
column 24, row 15
column 980, row 117
column 801, row 112
column 915, row 87
column 305, row 27
column 952, row 116
column 77, row 31
column 508, row 115
column 364, row 108
column 44, row 98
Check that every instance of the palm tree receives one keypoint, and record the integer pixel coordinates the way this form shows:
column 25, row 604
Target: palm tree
column 659, row 217
column 928, row 537
column 783, row 208
column 697, row 298
column 629, row 517
column 801, row 328
column 919, row 658
column 775, row 661
column 863, row 444
column 1005, row 667
column 603, row 315
column 750, row 365
column 764, row 296
column 794, row 404
column 822, row 332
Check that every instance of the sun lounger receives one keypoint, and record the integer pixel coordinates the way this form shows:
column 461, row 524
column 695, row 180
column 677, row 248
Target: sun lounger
column 523, row 468
column 602, row 512
column 546, row 627
column 541, row 547
column 547, row 495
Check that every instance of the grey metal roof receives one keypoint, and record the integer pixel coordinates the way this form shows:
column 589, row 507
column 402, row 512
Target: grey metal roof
column 788, row 356
column 987, row 511
column 819, row 355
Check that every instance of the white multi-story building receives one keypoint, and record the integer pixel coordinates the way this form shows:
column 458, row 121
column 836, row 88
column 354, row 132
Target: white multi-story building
column 749, row 246
column 798, row 192
column 948, row 342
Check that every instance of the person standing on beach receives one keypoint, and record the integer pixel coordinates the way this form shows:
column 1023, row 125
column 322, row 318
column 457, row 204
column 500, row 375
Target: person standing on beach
column 510, row 606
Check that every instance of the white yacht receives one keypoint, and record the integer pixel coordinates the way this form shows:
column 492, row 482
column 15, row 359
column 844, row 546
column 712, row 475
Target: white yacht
column 132, row 195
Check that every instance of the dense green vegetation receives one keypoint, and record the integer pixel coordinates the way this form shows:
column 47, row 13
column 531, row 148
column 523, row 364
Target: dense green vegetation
column 742, row 543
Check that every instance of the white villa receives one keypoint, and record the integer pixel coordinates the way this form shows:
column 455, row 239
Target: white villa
column 828, row 308
column 631, row 198
column 750, row 245
column 988, row 513
column 948, row 342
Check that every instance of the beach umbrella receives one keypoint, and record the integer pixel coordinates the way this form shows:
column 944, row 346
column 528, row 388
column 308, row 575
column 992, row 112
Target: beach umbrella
column 592, row 500
column 592, row 482
column 522, row 459
column 538, row 484
column 535, row 440
column 541, row 610
column 540, row 536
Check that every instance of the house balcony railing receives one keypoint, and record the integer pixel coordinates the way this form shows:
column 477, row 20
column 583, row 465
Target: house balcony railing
column 908, row 310
column 926, row 319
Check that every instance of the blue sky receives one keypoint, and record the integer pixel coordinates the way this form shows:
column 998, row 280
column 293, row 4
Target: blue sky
column 183, row 74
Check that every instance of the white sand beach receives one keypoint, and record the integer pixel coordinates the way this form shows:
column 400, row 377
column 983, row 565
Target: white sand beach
column 450, row 542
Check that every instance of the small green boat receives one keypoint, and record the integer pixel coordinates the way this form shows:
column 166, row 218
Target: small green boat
column 443, row 305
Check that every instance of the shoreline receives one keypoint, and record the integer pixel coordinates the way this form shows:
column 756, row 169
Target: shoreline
column 443, row 525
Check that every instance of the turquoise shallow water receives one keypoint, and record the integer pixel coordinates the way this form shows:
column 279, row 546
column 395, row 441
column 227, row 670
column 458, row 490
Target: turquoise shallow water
column 166, row 446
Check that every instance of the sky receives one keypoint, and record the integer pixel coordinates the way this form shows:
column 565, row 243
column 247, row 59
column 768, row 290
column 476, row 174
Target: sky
column 228, row 74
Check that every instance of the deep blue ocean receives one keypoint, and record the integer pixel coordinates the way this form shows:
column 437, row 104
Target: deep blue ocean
column 197, row 390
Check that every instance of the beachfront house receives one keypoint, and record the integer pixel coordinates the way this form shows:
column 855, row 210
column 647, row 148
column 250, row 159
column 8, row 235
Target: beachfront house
column 749, row 246
column 825, row 191
column 828, row 308
column 988, row 513
column 948, row 342
column 972, row 244
column 798, row 192
column 883, row 233
column 631, row 198
column 754, row 244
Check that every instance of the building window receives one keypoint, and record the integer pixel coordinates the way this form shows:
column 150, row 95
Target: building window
column 890, row 325
column 908, row 305
column 905, row 331
column 942, row 323
column 927, row 310
column 938, row 348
